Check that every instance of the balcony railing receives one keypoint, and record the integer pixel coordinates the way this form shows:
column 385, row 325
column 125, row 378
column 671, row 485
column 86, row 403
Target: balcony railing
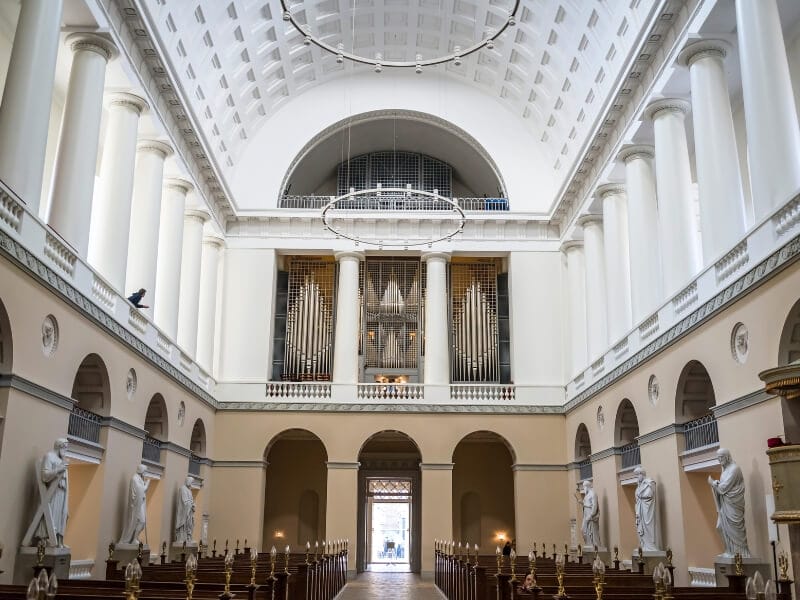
column 631, row 455
column 84, row 425
column 701, row 432
column 585, row 469
column 194, row 465
column 390, row 391
column 394, row 202
column 151, row 450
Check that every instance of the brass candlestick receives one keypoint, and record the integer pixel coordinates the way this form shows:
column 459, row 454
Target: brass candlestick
column 226, row 547
column 316, row 549
column 476, row 554
column 783, row 565
column 236, row 549
column 226, row 594
column 40, row 550
column 272, row 554
column 308, row 549
column 737, row 564
column 513, row 559
column 544, row 550
column 286, row 552
column 535, row 552
column 532, row 562
column 191, row 575
column 140, row 553
column 499, row 558
column 562, row 592
column 214, row 549
column 669, row 557
column 253, row 565
column 111, row 547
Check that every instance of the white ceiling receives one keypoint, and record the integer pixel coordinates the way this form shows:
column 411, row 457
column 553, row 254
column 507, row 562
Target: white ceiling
column 237, row 62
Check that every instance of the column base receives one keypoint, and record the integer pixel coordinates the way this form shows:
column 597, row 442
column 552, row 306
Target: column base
column 724, row 565
column 55, row 560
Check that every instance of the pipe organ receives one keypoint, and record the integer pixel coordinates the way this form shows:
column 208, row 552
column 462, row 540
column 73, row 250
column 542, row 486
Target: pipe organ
column 309, row 320
column 474, row 332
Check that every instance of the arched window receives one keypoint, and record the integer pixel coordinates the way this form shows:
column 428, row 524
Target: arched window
column 156, row 421
column 583, row 445
column 198, row 442
column 92, row 395
column 789, row 348
column 626, row 430
column 694, row 402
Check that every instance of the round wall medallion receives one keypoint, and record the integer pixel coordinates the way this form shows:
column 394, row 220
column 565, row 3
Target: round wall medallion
column 601, row 417
column 652, row 389
column 740, row 342
column 49, row 335
column 181, row 413
column 130, row 384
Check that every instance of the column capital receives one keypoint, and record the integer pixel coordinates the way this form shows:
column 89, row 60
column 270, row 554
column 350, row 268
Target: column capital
column 156, row 146
column 92, row 42
column 214, row 240
column 194, row 214
column 698, row 49
column 636, row 151
column 571, row 245
column 436, row 256
column 349, row 255
column 590, row 219
column 610, row 189
column 666, row 106
column 178, row 183
column 126, row 100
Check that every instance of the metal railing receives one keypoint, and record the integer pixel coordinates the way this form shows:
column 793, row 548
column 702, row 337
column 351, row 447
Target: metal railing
column 394, row 201
column 194, row 465
column 84, row 425
column 151, row 450
column 585, row 469
column 631, row 455
column 701, row 432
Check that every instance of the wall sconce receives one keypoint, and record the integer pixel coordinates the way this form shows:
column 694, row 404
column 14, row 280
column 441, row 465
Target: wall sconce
column 279, row 534
column 501, row 535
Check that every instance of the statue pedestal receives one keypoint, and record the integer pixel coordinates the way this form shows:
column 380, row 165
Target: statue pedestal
column 651, row 559
column 725, row 565
column 176, row 550
column 55, row 560
column 603, row 553
column 125, row 553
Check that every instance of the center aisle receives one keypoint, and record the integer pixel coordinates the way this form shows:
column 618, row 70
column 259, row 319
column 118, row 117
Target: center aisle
column 389, row 586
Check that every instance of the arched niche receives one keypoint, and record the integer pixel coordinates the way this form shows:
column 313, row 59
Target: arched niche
column 483, row 490
column 296, row 489
column 197, row 444
column 6, row 342
column 695, row 394
column 156, row 420
column 789, row 346
column 583, row 444
column 626, row 425
column 90, row 388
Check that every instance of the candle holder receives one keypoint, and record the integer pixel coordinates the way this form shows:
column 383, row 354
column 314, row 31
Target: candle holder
column 640, row 560
column 658, row 581
column 512, row 558
column 616, row 558
column 566, row 553
column 535, row 552
column 140, row 553
column 737, row 564
column 191, row 576
column 580, row 554
column 40, row 550
column 544, row 550
column 316, row 550
column 226, row 594
column 183, row 552
column 561, row 594
column 253, row 565
column 308, row 549
column 272, row 555
column 226, row 547
column 476, row 554
column 532, row 562
column 214, row 550
column 236, row 549
column 499, row 558
column 163, row 553
column 111, row 548
column 286, row 552
column 599, row 570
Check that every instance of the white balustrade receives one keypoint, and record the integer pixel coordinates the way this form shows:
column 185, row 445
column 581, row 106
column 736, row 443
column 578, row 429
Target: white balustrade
column 185, row 362
column 732, row 262
column 787, row 218
column 300, row 390
column 685, row 298
column 702, row 577
column 482, row 392
column 137, row 320
column 11, row 211
column 59, row 254
column 103, row 293
column 164, row 344
column 81, row 569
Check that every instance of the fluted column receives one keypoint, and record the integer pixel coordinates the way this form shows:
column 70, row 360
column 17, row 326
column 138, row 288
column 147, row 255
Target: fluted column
column 345, row 347
column 170, row 249
column 111, row 208
column 722, row 211
column 189, row 298
column 643, row 241
column 576, row 296
column 677, row 224
column 596, row 294
column 70, row 208
column 617, row 259
column 773, row 135
column 145, row 216
column 437, row 358
column 28, row 93
column 207, row 308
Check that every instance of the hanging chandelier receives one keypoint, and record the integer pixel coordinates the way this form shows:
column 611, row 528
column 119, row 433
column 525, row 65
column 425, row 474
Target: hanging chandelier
column 378, row 62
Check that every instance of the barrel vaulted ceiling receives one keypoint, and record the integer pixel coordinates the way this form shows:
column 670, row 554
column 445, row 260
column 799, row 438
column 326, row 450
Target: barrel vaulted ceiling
column 238, row 62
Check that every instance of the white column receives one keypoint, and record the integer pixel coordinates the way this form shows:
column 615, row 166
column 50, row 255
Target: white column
column 28, row 93
column 170, row 249
column 677, row 224
column 437, row 343
column 617, row 259
column 345, row 346
column 576, row 295
column 643, row 241
column 207, row 309
column 111, row 208
column 773, row 135
column 722, row 212
column 596, row 294
column 189, row 297
column 70, row 206
column 145, row 216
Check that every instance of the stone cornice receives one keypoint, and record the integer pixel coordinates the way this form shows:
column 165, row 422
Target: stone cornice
column 741, row 403
column 634, row 151
column 334, row 465
column 127, row 100
column 91, row 42
column 335, row 407
column 121, row 426
column 240, row 464
column 537, row 467
column 667, row 106
column 436, row 466
column 176, row 449
column 30, row 388
column 602, row 454
column 699, row 49
column 657, row 434
column 162, row 149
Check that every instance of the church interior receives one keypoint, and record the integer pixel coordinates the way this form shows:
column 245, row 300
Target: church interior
column 306, row 299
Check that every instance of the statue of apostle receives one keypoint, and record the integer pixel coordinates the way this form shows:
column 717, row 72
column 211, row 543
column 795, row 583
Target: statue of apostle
column 53, row 474
column 184, row 513
column 728, row 493
column 646, row 511
column 590, row 526
column 137, row 514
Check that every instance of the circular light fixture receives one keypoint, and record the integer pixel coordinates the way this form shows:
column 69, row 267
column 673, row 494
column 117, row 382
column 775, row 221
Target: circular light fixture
column 455, row 57
column 398, row 196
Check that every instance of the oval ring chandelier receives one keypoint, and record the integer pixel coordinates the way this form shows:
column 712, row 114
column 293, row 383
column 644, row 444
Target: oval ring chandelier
column 397, row 196
column 378, row 62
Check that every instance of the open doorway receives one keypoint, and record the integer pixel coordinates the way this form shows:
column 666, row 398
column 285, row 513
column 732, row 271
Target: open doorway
column 388, row 524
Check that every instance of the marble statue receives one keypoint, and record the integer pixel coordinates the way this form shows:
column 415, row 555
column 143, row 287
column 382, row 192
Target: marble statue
column 137, row 515
column 590, row 527
column 728, row 493
column 646, row 511
column 184, row 513
column 50, row 520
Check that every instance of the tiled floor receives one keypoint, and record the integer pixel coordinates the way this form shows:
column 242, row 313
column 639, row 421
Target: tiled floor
column 389, row 586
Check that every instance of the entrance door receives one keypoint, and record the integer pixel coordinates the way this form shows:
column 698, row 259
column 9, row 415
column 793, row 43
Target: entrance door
column 389, row 513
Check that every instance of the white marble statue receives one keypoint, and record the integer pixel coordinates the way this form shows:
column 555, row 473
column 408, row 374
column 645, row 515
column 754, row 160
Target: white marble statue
column 646, row 511
column 729, row 497
column 137, row 514
column 590, row 526
column 50, row 521
column 184, row 513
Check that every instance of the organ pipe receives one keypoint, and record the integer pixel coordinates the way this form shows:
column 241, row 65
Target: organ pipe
column 475, row 330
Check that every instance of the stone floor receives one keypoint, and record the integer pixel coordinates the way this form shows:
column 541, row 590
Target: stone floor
column 389, row 586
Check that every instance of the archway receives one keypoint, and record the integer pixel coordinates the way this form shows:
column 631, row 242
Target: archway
column 156, row 420
column 389, row 493
column 6, row 343
column 483, row 490
column 297, row 484
column 197, row 449
column 92, row 395
column 789, row 352
column 626, row 430
column 694, row 402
